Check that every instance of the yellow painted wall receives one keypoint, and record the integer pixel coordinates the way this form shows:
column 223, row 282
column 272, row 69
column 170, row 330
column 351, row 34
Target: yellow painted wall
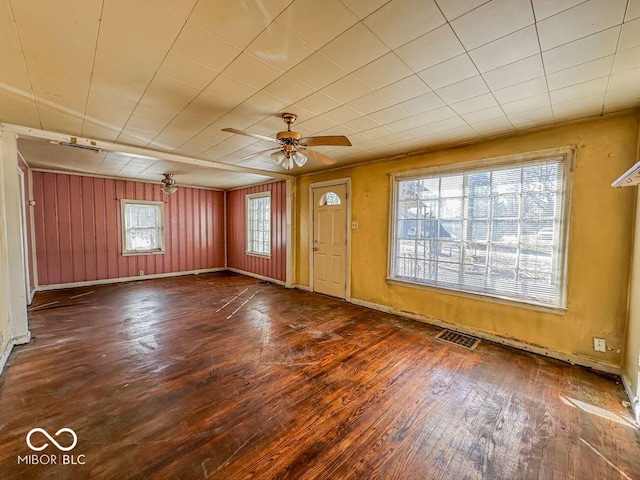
column 599, row 252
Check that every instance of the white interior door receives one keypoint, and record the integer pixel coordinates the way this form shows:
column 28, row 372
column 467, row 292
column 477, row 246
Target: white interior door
column 330, row 240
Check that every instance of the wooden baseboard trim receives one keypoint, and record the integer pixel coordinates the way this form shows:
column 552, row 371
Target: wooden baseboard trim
column 255, row 275
column 9, row 347
column 540, row 350
column 105, row 281
column 302, row 287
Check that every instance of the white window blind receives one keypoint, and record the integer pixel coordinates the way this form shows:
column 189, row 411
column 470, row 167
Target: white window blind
column 142, row 227
column 495, row 231
column 259, row 224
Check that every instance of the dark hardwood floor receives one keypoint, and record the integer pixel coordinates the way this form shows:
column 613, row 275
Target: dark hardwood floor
column 222, row 376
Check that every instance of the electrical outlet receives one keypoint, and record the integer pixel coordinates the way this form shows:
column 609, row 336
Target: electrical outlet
column 599, row 344
column 141, row 272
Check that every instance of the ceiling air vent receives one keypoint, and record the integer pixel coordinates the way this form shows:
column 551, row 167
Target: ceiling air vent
column 74, row 143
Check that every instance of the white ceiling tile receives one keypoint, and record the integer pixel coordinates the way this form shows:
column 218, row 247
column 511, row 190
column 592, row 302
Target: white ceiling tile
column 279, row 47
column 355, row 48
column 521, row 90
column 230, row 88
column 364, row 8
column 342, row 114
column 438, row 115
column 405, row 89
column 186, row 70
column 318, row 124
column 318, row 103
column 264, row 103
column 252, row 71
column 546, row 8
column 630, row 35
column 289, row 89
column 580, row 73
column 379, row 131
column 491, row 21
column 623, row 95
column 418, row 131
column 633, row 10
column 574, row 92
column 213, row 16
column 449, row 72
column 471, row 87
column 383, row 71
column 579, row 105
column 475, row 104
column 390, row 114
column 317, row 23
column 528, row 117
column 626, row 78
column 372, row 102
column 526, row 104
column 494, row 126
column 18, row 108
column 580, row 21
column 361, row 124
column 626, row 60
column 317, row 71
column 448, row 124
column 611, row 107
column 485, row 115
column 423, row 103
column 205, row 48
column 455, row 8
column 514, row 73
column 413, row 121
column 584, row 50
column 400, row 21
column 346, row 89
column 506, row 50
column 431, row 49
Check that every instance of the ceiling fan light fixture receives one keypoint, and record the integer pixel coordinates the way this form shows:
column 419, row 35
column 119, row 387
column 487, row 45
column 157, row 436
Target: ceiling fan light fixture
column 169, row 184
column 300, row 159
column 288, row 163
column 278, row 157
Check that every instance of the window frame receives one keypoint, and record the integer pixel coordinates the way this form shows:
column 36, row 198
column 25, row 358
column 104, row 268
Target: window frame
column 567, row 154
column 249, row 232
column 160, row 229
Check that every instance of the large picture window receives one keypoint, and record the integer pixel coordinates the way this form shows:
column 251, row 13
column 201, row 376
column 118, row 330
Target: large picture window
column 496, row 229
column 142, row 227
column 259, row 224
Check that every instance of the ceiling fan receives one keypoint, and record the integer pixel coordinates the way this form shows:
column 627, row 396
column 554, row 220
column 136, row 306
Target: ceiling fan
column 292, row 147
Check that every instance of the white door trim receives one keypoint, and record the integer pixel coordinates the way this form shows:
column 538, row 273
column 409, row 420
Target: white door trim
column 23, row 234
column 329, row 183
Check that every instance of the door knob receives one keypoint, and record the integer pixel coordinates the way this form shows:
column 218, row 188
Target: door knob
column 315, row 249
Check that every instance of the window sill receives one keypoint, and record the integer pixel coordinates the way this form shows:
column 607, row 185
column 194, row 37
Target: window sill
column 259, row 255
column 482, row 297
column 141, row 252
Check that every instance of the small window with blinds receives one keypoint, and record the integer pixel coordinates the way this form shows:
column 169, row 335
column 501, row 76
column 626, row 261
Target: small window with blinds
column 259, row 224
column 496, row 230
column 142, row 227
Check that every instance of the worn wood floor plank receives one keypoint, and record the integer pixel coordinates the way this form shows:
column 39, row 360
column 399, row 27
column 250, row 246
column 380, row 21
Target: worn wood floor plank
column 219, row 376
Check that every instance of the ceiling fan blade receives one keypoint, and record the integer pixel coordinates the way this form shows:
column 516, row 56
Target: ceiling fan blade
column 259, row 153
column 249, row 134
column 338, row 140
column 318, row 156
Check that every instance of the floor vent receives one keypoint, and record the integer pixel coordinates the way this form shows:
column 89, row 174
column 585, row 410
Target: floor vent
column 458, row 339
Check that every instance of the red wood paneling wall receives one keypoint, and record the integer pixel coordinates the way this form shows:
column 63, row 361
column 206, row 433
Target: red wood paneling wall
column 276, row 266
column 79, row 238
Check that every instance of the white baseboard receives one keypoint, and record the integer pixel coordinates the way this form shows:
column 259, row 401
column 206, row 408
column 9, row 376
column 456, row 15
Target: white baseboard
column 105, row 281
column 633, row 398
column 545, row 351
column 302, row 287
column 255, row 275
column 12, row 343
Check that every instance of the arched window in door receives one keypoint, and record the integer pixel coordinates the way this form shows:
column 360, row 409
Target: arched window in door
column 330, row 198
